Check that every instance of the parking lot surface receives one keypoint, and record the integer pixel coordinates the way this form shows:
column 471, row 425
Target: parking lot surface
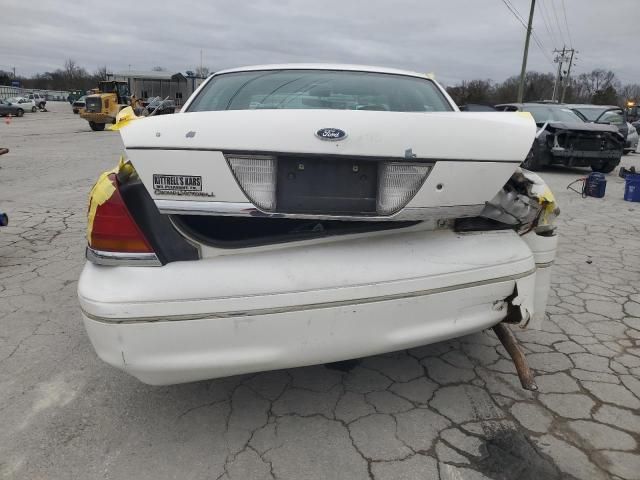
column 453, row 410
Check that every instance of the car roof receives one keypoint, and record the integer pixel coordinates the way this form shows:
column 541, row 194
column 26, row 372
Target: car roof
column 590, row 105
column 531, row 104
column 325, row 66
column 477, row 105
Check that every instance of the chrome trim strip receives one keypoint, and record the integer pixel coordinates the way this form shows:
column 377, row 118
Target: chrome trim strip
column 100, row 257
column 245, row 209
column 310, row 306
column 544, row 264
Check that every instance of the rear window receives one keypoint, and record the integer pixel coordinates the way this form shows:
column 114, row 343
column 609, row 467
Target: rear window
column 590, row 113
column 614, row 117
column 319, row 89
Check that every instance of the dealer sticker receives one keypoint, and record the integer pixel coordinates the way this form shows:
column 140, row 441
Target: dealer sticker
column 179, row 185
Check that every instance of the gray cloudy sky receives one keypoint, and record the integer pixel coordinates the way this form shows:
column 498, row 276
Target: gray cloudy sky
column 455, row 39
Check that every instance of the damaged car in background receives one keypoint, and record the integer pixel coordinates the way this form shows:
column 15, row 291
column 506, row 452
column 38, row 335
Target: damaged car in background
column 305, row 214
column 610, row 115
column 564, row 138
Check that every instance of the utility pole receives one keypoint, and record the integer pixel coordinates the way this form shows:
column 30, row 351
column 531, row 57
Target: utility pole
column 523, row 71
column 566, row 79
column 559, row 60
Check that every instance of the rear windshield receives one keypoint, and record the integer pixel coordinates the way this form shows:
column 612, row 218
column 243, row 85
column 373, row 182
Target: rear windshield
column 591, row 113
column 319, row 89
column 544, row 113
column 614, row 117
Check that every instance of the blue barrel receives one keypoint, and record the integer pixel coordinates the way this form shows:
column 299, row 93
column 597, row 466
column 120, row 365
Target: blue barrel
column 632, row 188
column 595, row 185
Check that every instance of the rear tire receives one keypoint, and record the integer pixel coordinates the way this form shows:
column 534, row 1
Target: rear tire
column 20, row 112
column 34, row 109
column 96, row 127
column 531, row 162
column 605, row 167
column 626, row 152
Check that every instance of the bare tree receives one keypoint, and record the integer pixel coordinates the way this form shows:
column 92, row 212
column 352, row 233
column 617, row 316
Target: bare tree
column 101, row 73
column 598, row 80
column 5, row 77
column 605, row 96
column 72, row 74
column 70, row 67
column 537, row 86
column 202, row 72
column 473, row 91
column 630, row 92
column 158, row 69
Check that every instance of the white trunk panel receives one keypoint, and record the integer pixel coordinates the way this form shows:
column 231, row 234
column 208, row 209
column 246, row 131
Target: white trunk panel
column 475, row 153
column 497, row 136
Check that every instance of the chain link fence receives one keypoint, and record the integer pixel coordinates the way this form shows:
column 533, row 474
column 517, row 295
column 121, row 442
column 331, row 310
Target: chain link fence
column 7, row 91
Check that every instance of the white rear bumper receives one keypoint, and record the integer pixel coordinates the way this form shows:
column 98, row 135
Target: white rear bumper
column 235, row 314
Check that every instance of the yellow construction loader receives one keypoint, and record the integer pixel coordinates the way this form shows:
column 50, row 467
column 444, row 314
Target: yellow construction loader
column 102, row 107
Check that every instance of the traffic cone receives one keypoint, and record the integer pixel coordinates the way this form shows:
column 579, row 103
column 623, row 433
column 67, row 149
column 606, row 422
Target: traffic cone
column 7, row 119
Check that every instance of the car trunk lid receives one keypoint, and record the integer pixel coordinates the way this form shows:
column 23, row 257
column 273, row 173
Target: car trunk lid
column 197, row 161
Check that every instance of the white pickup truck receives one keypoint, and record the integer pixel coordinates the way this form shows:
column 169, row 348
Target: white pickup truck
column 38, row 98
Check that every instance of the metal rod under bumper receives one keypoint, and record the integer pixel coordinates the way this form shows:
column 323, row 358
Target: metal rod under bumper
column 510, row 343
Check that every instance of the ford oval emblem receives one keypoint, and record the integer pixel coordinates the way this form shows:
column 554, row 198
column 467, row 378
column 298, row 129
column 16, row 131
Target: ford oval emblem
column 332, row 134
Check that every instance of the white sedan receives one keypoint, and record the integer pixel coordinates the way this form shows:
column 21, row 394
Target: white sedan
column 301, row 214
column 28, row 105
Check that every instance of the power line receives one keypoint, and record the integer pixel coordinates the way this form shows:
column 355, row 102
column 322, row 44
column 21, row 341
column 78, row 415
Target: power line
column 508, row 5
column 516, row 12
column 537, row 40
column 520, row 18
column 542, row 48
column 546, row 19
column 566, row 23
column 555, row 14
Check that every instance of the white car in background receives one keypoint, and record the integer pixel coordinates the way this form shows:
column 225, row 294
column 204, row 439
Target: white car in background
column 28, row 105
column 38, row 98
column 301, row 214
column 631, row 144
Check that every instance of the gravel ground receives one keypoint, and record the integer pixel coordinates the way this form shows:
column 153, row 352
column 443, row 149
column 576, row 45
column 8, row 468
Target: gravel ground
column 452, row 410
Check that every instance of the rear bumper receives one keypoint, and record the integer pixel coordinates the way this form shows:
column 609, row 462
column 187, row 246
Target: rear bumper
column 236, row 314
column 189, row 350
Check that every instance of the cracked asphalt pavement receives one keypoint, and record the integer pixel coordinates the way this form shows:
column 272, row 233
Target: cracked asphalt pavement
column 454, row 410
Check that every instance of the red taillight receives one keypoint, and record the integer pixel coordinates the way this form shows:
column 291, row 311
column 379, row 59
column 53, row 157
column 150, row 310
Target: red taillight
column 113, row 228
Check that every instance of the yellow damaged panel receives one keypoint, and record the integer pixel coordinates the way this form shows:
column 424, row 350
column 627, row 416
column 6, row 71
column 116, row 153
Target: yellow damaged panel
column 124, row 118
column 102, row 191
column 543, row 194
column 548, row 201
